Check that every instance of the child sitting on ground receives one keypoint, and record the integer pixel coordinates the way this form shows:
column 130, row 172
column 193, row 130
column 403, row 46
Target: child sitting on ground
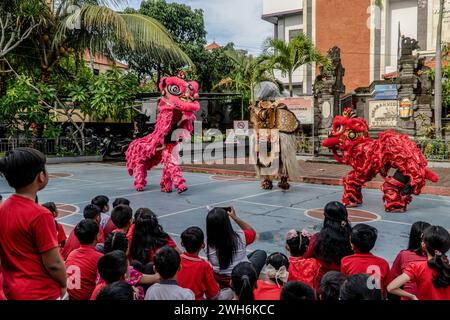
column 356, row 288
column 81, row 264
column 362, row 240
column 117, row 291
column 330, row 285
column 277, row 266
column 196, row 273
column 102, row 202
column 91, row 212
column 300, row 268
column 432, row 276
column 297, row 290
column 60, row 233
column 112, row 267
column 167, row 264
column 243, row 281
column 122, row 217
column 110, row 226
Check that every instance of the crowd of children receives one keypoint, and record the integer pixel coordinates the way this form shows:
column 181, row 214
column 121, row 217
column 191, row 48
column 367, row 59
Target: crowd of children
column 127, row 255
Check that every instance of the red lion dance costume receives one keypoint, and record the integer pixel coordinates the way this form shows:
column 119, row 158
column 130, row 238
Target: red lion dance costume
column 368, row 157
column 175, row 111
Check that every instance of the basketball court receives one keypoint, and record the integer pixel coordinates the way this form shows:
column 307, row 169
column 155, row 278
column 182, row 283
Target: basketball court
column 271, row 213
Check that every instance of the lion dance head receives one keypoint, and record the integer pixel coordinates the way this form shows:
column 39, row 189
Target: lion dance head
column 180, row 93
column 347, row 131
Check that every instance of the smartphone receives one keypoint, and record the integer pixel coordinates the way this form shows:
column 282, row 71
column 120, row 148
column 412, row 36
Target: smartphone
column 227, row 209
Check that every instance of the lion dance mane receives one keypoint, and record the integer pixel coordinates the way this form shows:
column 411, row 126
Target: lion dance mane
column 368, row 157
column 175, row 117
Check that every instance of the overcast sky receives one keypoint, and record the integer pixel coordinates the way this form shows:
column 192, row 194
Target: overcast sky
column 237, row 21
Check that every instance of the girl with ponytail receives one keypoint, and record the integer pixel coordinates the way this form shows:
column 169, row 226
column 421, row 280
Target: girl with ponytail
column 243, row 281
column 432, row 276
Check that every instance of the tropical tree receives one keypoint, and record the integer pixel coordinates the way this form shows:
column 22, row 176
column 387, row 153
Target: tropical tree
column 288, row 57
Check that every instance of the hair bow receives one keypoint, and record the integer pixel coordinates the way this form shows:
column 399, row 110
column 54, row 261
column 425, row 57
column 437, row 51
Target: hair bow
column 279, row 275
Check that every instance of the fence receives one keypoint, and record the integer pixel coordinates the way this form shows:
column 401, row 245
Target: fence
column 62, row 146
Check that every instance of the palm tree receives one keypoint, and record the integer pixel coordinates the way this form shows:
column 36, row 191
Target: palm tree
column 80, row 25
column 288, row 57
column 247, row 73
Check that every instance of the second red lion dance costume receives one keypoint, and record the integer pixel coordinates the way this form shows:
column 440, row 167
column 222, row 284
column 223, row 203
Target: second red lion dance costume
column 368, row 157
column 175, row 111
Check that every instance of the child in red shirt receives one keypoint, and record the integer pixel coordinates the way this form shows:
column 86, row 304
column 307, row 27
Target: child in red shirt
column 110, row 226
column 196, row 274
column 81, row 264
column 277, row 266
column 362, row 240
column 122, row 216
column 31, row 265
column 91, row 212
column 432, row 276
column 61, row 234
column 300, row 268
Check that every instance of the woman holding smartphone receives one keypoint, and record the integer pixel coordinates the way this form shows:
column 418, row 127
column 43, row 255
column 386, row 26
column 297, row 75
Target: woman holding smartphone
column 227, row 247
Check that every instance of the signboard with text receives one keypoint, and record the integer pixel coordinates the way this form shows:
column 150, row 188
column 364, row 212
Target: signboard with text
column 302, row 107
column 386, row 92
column 383, row 113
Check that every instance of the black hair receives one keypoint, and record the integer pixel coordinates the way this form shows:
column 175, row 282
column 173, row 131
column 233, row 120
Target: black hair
column 21, row 166
column 91, row 211
column 121, row 215
column 86, row 231
column 415, row 236
column 296, row 290
column 148, row 235
column 116, row 241
column 363, row 237
column 437, row 243
column 167, row 262
column 330, row 285
column 243, row 279
column 112, row 266
column 119, row 290
column 118, row 201
column 100, row 201
column 336, row 218
column 221, row 236
column 298, row 245
column 192, row 239
column 356, row 287
column 51, row 206
column 331, row 246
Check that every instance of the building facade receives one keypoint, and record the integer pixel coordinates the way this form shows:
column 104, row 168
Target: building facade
column 367, row 35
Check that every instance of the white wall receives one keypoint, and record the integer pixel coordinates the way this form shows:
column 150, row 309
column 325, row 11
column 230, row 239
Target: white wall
column 275, row 6
column 405, row 13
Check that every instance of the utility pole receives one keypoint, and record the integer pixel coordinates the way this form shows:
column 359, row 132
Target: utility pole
column 438, row 75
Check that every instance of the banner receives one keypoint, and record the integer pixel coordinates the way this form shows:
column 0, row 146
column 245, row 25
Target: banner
column 302, row 107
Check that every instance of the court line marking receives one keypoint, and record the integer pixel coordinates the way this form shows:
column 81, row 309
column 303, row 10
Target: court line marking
column 216, row 203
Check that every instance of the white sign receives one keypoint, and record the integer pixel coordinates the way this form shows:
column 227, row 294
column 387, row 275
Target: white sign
column 302, row 107
column 149, row 109
column 241, row 127
column 383, row 113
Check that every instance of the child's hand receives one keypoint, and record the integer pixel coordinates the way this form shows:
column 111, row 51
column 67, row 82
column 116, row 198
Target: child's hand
column 414, row 297
column 232, row 213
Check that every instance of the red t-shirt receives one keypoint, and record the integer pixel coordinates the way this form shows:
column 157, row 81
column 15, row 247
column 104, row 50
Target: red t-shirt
column 369, row 264
column 304, row 270
column 61, row 235
column 266, row 291
column 27, row 231
column 2, row 294
column 97, row 290
column 404, row 258
column 197, row 274
column 81, row 268
column 110, row 226
column 151, row 253
column 72, row 243
column 422, row 275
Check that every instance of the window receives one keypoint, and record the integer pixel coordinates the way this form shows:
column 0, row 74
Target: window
column 293, row 33
column 96, row 72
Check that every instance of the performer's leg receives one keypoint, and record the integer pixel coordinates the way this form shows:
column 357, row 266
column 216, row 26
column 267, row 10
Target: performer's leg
column 352, row 189
column 283, row 184
column 173, row 170
column 140, row 177
column 266, row 182
column 166, row 181
column 395, row 198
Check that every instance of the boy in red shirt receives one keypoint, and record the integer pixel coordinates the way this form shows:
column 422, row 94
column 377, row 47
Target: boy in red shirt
column 432, row 276
column 81, row 264
column 122, row 216
column 91, row 212
column 196, row 274
column 110, row 226
column 31, row 265
column 362, row 240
